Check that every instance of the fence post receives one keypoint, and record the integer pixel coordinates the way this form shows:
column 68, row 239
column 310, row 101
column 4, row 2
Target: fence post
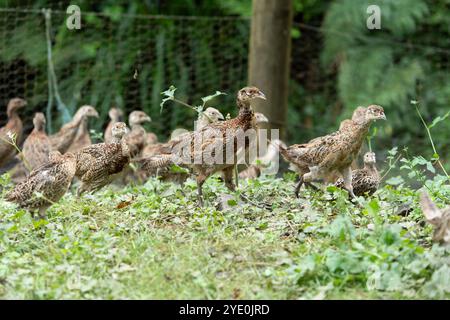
column 269, row 57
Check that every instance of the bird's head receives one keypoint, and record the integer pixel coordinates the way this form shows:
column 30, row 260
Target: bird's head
column 119, row 129
column 115, row 114
column 213, row 114
column 248, row 94
column 370, row 158
column 138, row 117
column 260, row 118
column 374, row 112
column 39, row 121
column 15, row 104
column 87, row 111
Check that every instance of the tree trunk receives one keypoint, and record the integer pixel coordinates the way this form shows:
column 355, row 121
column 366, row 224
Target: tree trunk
column 269, row 58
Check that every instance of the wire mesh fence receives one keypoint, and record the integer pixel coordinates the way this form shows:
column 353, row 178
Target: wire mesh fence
column 127, row 60
column 123, row 61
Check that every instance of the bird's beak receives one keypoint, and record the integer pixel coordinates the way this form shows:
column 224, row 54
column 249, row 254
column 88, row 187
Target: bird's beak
column 383, row 117
column 148, row 119
column 261, row 95
column 221, row 117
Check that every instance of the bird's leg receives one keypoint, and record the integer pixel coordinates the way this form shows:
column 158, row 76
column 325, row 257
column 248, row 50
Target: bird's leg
column 200, row 181
column 311, row 186
column 347, row 176
column 81, row 189
column 228, row 178
column 42, row 212
column 298, row 185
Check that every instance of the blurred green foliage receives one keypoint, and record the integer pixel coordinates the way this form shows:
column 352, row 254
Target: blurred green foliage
column 408, row 59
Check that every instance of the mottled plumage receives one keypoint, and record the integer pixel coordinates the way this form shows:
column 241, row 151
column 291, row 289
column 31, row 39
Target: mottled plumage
column 439, row 218
column 63, row 139
column 98, row 163
column 365, row 180
column 37, row 146
column 136, row 137
column 320, row 157
column 115, row 115
column 13, row 126
column 46, row 184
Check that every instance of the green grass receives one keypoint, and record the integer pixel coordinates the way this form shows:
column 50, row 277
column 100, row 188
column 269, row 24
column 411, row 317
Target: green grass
column 161, row 246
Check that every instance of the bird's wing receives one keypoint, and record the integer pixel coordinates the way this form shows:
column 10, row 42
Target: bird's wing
column 36, row 150
column 95, row 150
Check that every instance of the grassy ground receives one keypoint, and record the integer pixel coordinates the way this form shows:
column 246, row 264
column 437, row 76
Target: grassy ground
column 152, row 242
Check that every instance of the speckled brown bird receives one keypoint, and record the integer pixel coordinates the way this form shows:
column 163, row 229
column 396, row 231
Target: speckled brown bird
column 136, row 137
column 439, row 218
column 13, row 127
column 98, row 164
column 45, row 185
column 62, row 140
column 197, row 150
column 335, row 152
column 37, row 146
column 210, row 115
column 115, row 115
column 365, row 181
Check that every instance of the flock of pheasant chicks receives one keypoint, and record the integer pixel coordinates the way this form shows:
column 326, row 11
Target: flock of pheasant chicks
column 50, row 163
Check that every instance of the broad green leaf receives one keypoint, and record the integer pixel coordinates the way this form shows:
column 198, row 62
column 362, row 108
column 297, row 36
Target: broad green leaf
column 169, row 94
column 210, row 97
column 395, row 181
column 438, row 119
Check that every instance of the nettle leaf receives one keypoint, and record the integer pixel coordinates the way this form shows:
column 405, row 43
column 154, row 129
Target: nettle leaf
column 345, row 261
column 395, row 181
column 169, row 94
column 439, row 119
column 212, row 96
column 342, row 229
column 419, row 161
column 177, row 169
column 392, row 281
column 430, row 167
column 393, row 151
column 439, row 285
